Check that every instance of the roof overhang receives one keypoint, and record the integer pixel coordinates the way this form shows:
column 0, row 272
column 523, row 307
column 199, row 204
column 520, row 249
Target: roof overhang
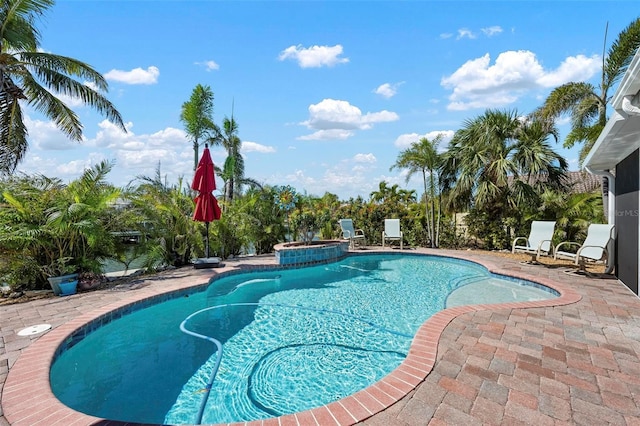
column 621, row 136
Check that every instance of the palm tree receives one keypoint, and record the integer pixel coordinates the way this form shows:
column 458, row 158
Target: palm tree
column 164, row 214
column 494, row 158
column 27, row 74
column 573, row 212
column 197, row 117
column 587, row 104
column 423, row 157
column 232, row 171
column 499, row 163
column 385, row 193
column 234, row 163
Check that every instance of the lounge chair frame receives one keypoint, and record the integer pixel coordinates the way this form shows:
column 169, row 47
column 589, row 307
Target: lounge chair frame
column 355, row 236
column 594, row 249
column 538, row 243
column 392, row 232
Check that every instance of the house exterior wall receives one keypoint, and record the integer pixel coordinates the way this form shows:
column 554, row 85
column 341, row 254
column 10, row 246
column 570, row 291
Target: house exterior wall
column 627, row 220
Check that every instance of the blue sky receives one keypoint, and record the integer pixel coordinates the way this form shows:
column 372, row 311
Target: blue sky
column 326, row 93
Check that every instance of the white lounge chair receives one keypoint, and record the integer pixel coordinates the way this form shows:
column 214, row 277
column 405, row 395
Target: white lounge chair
column 392, row 231
column 355, row 236
column 593, row 249
column 538, row 243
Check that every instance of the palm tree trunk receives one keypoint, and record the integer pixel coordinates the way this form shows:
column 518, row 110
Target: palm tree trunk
column 195, row 154
column 439, row 216
column 228, row 195
column 426, row 206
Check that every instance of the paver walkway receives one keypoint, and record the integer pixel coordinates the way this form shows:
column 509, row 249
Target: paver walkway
column 573, row 364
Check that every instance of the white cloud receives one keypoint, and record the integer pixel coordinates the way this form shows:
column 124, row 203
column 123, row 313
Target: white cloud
column 446, row 35
column 256, row 147
column 110, row 135
column 574, row 68
column 314, row 56
column 336, row 119
column 134, row 155
column 335, row 179
column 478, row 84
column 209, row 65
column 74, row 167
column 365, row 158
column 46, row 135
column 298, row 176
column 135, row 76
column 491, row 31
column 465, row 33
column 141, row 154
column 325, row 135
column 387, row 90
column 377, row 117
column 404, row 141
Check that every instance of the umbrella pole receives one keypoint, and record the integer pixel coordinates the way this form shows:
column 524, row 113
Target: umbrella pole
column 206, row 240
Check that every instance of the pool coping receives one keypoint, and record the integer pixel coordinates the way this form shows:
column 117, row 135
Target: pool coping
column 27, row 398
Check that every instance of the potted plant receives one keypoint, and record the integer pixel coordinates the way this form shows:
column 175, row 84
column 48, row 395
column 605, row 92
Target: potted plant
column 62, row 276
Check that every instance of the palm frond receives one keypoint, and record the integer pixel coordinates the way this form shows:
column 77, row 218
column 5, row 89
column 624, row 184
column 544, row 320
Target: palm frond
column 17, row 19
column 620, row 53
column 13, row 134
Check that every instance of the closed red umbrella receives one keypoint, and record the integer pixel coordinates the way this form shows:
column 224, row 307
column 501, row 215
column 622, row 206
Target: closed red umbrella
column 204, row 181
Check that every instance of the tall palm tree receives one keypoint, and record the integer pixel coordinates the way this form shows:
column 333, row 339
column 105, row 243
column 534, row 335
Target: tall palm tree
column 27, row 75
column 234, row 163
column 197, row 117
column 232, row 171
column 422, row 157
column 585, row 103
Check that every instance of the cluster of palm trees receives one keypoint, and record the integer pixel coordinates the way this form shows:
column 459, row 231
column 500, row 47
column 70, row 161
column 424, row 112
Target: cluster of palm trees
column 501, row 165
column 197, row 117
column 497, row 165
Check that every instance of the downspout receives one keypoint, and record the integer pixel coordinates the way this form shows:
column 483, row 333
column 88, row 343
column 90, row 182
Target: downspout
column 611, row 219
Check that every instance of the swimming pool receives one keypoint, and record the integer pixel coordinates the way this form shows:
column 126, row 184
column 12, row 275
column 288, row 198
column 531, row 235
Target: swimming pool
column 293, row 340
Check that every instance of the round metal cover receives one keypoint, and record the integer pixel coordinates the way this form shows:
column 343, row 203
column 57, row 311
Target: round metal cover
column 34, row 329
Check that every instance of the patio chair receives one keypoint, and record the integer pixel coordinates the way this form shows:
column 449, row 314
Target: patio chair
column 538, row 243
column 355, row 236
column 392, row 231
column 593, row 249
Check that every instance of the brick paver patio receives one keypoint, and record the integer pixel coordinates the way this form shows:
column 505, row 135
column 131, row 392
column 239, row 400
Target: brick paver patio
column 576, row 363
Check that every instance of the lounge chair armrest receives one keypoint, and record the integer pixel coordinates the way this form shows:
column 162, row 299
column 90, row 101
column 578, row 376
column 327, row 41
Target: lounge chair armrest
column 359, row 232
column 569, row 243
column 346, row 234
column 513, row 246
column 542, row 242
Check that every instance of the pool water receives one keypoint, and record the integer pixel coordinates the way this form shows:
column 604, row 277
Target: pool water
column 292, row 340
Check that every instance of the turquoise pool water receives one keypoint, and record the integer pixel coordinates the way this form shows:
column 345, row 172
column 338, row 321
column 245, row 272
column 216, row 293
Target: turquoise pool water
column 291, row 340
